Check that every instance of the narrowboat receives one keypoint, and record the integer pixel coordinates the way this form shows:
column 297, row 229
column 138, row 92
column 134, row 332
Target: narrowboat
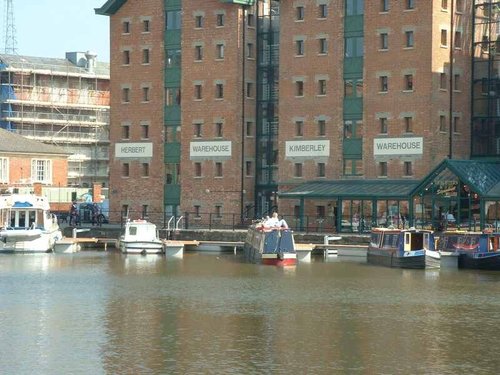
column 26, row 224
column 475, row 250
column 401, row 248
column 271, row 246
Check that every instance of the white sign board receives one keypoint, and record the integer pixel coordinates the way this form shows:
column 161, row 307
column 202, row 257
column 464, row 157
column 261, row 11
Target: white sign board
column 398, row 146
column 307, row 149
column 134, row 150
column 208, row 150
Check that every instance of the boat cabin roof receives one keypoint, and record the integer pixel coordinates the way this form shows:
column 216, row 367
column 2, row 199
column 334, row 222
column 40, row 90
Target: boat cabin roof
column 396, row 230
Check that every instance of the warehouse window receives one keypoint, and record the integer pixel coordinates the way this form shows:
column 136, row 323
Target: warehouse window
column 125, row 170
column 126, row 57
column 197, row 169
column 198, row 22
column 218, row 169
column 382, row 169
column 173, row 20
column 145, row 56
column 145, row 169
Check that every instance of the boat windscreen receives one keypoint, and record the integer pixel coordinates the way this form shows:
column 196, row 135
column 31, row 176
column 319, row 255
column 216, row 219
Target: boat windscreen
column 375, row 239
column 390, row 240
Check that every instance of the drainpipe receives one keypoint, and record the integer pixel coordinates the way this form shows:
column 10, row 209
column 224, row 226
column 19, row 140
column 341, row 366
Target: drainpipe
column 243, row 67
column 452, row 47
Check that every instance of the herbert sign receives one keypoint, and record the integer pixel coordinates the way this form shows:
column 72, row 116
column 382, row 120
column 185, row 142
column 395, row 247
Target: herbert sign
column 134, row 150
column 307, row 149
column 209, row 150
column 398, row 146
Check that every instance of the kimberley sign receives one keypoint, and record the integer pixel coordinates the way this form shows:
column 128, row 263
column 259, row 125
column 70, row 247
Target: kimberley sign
column 307, row 149
column 398, row 146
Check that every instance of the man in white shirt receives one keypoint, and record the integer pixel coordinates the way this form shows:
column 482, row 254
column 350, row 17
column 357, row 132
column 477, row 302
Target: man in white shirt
column 273, row 221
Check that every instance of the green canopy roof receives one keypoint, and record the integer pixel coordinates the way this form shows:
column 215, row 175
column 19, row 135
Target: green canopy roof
column 481, row 176
column 352, row 189
column 110, row 7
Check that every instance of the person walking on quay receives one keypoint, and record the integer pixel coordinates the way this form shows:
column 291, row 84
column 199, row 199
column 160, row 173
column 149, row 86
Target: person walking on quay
column 73, row 214
column 96, row 215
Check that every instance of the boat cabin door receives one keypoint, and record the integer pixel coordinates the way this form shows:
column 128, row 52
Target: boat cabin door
column 407, row 246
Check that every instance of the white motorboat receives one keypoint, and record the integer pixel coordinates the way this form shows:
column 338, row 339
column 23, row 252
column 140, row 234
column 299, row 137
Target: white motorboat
column 26, row 224
column 140, row 237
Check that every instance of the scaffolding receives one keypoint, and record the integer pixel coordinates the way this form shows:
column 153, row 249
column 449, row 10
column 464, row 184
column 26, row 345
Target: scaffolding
column 63, row 102
column 485, row 131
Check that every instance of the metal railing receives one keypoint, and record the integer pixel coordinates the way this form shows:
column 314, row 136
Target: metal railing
column 307, row 224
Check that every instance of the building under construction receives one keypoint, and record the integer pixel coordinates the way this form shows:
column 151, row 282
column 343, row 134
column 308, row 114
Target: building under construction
column 64, row 102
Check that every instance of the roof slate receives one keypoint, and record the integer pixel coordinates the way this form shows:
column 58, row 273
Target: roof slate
column 14, row 143
column 52, row 64
column 483, row 176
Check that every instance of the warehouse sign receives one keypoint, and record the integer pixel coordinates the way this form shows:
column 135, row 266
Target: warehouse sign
column 307, row 149
column 210, row 150
column 398, row 146
column 134, row 150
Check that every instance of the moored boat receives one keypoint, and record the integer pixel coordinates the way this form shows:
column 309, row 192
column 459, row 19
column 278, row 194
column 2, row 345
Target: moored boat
column 140, row 237
column 432, row 258
column 26, row 224
column 401, row 248
column 271, row 246
column 475, row 250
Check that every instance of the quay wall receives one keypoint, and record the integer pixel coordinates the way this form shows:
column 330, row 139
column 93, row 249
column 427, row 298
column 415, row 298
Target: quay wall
column 240, row 235
column 113, row 232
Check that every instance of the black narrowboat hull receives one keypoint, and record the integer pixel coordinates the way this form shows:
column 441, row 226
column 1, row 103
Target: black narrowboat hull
column 391, row 259
column 467, row 261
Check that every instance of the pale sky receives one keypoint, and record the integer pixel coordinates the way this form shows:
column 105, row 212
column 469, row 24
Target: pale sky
column 50, row 28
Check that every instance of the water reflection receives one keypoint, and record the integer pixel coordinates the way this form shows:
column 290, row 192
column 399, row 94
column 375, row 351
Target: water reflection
column 114, row 313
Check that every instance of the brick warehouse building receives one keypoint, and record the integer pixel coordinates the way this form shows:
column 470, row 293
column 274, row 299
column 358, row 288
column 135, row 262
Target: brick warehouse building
column 223, row 107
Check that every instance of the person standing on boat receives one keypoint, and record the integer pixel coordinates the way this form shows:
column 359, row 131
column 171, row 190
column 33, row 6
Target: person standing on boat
column 282, row 223
column 273, row 221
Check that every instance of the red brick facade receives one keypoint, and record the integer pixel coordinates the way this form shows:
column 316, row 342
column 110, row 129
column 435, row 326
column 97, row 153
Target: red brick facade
column 20, row 169
column 233, row 70
column 224, row 183
column 141, row 187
